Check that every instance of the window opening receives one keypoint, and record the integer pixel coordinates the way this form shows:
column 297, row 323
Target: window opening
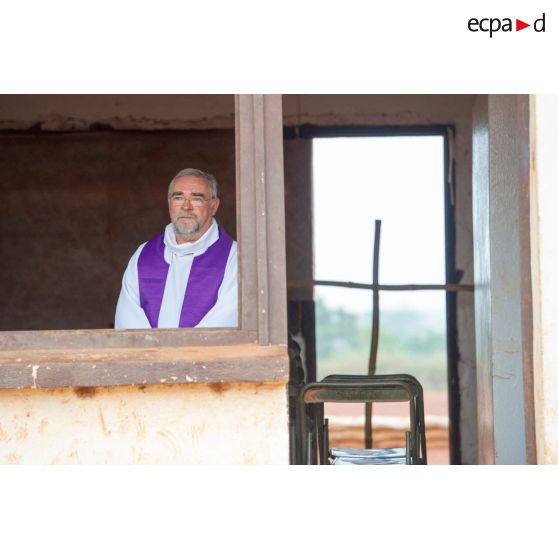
column 86, row 357
column 76, row 204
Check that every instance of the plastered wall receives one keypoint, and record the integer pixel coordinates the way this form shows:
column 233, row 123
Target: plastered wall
column 500, row 142
column 544, row 253
column 225, row 424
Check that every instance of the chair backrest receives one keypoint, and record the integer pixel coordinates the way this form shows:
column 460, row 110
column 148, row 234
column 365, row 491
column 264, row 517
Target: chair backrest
column 376, row 388
column 359, row 389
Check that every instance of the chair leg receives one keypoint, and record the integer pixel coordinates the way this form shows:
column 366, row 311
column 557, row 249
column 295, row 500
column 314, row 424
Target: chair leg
column 309, row 448
column 413, row 446
column 422, row 431
column 408, row 458
column 304, row 445
column 324, row 454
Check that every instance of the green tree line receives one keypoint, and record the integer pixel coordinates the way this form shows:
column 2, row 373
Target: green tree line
column 407, row 343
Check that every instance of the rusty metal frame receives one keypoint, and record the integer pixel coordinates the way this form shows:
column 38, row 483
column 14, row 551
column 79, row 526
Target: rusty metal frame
column 255, row 351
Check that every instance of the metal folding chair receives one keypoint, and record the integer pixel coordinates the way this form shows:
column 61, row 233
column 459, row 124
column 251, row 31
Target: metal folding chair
column 313, row 428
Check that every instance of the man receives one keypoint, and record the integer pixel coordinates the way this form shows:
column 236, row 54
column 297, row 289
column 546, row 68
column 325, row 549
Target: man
column 187, row 275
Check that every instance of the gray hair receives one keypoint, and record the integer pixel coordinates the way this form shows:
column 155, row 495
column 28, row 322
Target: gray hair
column 211, row 181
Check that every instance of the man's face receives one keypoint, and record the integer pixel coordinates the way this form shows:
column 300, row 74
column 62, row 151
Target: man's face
column 191, row 208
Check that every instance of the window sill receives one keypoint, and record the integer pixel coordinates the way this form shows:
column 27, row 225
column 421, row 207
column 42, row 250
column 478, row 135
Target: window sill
column 106, row 358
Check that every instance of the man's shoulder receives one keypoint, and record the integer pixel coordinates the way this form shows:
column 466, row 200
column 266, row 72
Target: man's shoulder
column 223, row 231
column 141, row 247
column 159, row 237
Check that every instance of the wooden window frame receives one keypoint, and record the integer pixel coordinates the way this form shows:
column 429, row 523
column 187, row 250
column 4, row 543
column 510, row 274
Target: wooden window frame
column 254, row 352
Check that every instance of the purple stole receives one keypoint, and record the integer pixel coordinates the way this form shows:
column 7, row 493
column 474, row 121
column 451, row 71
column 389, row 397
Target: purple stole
column 206, row 276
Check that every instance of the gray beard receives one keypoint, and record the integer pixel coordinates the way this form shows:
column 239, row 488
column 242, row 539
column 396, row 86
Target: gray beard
column 186, row 232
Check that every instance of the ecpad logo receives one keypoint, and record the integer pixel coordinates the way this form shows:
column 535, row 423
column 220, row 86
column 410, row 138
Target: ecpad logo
column 493, row 25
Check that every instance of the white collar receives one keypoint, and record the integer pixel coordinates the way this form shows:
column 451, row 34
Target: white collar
column 188, row 248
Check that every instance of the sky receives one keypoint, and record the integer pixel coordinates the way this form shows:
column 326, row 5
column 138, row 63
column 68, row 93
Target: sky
column 398, row 180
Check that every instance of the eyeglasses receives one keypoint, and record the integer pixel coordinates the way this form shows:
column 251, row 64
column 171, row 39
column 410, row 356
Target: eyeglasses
column 195, row 200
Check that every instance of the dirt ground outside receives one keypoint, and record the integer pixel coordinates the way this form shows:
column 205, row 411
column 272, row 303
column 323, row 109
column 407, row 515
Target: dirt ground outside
column 390, row 422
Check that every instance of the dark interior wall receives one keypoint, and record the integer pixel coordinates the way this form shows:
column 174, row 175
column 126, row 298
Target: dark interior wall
column 75, row 206
column 298, row 211
column 299, row 248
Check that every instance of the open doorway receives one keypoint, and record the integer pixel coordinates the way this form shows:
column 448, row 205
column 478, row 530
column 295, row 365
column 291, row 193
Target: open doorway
column 400, row 180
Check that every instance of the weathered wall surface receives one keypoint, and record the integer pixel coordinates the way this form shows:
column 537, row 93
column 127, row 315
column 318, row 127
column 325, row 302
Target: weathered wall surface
column 544, row 252
column 298, row 206
column 228, row 424
column 500, row 142
column 119, row 112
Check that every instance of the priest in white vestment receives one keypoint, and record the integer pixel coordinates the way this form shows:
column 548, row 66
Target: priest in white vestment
column 187, row 275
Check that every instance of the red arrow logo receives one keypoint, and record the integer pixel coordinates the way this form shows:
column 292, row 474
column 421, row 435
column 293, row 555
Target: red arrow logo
column 519, row 25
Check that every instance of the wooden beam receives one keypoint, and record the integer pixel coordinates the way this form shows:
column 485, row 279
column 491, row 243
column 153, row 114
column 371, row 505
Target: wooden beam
column 261, row 223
